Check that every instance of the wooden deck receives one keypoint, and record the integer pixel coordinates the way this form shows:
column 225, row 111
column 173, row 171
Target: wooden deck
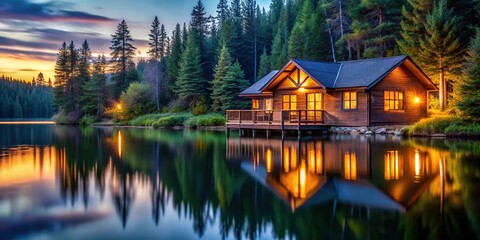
column 279, row 120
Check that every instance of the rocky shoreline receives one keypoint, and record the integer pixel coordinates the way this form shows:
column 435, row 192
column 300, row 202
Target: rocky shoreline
column 377, row 130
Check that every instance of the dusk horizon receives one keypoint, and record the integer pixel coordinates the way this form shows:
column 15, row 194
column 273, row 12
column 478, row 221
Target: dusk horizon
column 32, row 31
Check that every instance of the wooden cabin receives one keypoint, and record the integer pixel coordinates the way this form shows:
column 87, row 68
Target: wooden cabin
column 310, row 95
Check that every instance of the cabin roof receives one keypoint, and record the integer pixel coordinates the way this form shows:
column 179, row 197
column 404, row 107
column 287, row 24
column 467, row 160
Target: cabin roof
column 324, row 73
column 346, row 74
column 256, row 87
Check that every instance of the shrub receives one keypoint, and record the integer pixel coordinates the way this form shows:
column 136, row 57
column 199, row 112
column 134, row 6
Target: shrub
column 175, row 106
column 206, row 120
column 199, row 107
column 147, row 120
column 449, row 125
column 87, row 120
column 137, row 100
column 171, row 120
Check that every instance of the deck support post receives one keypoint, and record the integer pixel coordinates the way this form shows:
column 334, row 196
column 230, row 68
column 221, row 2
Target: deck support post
column 228, row 132
column 299, row 134
column 268, row 133
column 283, row 134
column 240, row 132
column 253, row 133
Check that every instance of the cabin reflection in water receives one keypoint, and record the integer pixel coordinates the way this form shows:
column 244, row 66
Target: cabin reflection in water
column 372, row 172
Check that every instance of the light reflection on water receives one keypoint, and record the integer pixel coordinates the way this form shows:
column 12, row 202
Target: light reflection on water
column 84, row 183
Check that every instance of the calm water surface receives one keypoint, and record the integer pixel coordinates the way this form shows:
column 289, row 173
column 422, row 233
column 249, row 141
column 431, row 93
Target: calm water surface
column 60, row 182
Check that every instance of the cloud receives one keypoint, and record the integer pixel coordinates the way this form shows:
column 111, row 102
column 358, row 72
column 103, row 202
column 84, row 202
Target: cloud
column 27, row 54
column 5, row 41
column 47, row 11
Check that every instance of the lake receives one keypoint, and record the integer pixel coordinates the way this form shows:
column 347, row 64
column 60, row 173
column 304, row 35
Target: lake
column 61, row 182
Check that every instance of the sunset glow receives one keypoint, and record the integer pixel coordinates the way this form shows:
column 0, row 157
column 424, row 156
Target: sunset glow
column 32, row 31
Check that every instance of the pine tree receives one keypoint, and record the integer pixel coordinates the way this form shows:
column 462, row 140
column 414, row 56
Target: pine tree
column 95, row 96
column 264, row 67
column 234, row 83
column 155, row 50
column 441, row 51
column 184, row 35
column 248, row 50
column 413, row 26
column 190, row 85
column 61, row 78
column 84, row 56
column 34, row 82
column 221, row 69
column 470, row 86
column 174, row 60
column 40, row 79
column 122, row 54
column 222, row 12
column 317, row 45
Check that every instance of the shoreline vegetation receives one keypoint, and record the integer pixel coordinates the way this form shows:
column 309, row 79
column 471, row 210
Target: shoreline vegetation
column 192, row 76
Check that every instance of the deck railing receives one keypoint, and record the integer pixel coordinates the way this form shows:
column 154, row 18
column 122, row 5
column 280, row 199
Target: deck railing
column 300, row 117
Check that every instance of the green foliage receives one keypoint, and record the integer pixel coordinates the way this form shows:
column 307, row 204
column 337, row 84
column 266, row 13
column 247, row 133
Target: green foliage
column 171, row 120
column 199, row 107
column 191, row 86
column 207, row 120
column 413, row 26
column 122, row 54
column 441, row 50
column 94, row 98
column 470, row 86
column 221, row 69
column 87, row 120
column 264, row 67
column 137, row 100
column 452, row 126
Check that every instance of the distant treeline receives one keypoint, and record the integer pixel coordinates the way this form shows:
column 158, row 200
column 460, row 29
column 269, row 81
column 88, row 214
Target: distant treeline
column 20, row 99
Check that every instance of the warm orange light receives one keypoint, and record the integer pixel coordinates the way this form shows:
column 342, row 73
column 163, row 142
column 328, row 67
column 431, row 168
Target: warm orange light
column 350, row 166
column 268, row 159
column 416, row 100
column 303, row 179
column 417, row 164
column 301, row 89
column 393, row 166
column 119, row 144
column 119, row 106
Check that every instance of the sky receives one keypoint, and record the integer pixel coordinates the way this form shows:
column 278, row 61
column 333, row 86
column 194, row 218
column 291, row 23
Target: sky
column 32, row 31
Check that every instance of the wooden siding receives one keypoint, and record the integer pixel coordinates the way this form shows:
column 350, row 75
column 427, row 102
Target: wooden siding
column 402, row 80
column 335, row 115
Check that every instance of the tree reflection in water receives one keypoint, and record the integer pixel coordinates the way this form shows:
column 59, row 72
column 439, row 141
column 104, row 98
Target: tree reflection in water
column 338, row 187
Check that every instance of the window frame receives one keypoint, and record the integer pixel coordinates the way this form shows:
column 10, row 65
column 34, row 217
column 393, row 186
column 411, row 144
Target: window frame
column 396, row 99
column 350, row 101
column 255, row 104
column 289, row 102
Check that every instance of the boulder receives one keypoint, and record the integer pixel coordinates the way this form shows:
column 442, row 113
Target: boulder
column 368, row 132
column 381, row 131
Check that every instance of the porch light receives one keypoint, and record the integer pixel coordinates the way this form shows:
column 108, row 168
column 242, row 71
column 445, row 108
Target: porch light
column 416, row 100
column 119, row 106
column 301, row 89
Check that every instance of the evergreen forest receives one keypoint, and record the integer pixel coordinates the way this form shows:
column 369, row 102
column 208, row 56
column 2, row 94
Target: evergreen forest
column 202, row 65
column 19, row 99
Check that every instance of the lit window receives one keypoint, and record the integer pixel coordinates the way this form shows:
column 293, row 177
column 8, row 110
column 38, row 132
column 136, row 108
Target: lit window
column 255, row 103
column 289, row 102
column 349, row 100
column 268, row 104
column 393, row 100
column 314, row 102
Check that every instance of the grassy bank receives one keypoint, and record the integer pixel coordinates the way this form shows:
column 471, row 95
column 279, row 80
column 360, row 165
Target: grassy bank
column 167, row 120
column 450, row 126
